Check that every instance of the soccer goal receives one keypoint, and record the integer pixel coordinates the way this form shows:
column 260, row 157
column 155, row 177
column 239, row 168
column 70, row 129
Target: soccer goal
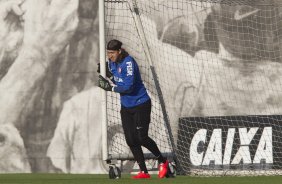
column 213, row 69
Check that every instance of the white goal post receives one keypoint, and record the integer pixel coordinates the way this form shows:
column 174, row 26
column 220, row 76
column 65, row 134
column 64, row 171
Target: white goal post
column 213, row 69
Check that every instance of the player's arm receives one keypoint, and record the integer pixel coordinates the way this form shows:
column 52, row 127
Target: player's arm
column 128, row 79
column 106, row 85
column 124, row 88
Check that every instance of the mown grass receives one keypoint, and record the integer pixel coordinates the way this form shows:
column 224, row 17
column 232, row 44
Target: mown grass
column 126, row 179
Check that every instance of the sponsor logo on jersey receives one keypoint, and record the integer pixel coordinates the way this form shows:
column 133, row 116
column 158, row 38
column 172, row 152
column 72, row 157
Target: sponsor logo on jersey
column 117, row 79
column 129, row 68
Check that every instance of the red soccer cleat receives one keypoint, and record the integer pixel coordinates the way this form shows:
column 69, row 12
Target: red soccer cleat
column 141, row 175
column 163, row 168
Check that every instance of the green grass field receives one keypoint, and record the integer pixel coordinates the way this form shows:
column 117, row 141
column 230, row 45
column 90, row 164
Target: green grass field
column 103, row 179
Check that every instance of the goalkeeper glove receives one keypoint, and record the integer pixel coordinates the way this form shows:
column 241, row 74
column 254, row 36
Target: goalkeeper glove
column 108, row 73
column 104, row 83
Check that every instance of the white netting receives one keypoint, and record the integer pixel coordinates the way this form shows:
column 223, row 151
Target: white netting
column 217, row 60
column 120, row 25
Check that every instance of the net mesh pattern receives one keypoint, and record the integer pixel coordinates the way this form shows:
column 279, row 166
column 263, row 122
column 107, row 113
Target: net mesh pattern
column 212, row 58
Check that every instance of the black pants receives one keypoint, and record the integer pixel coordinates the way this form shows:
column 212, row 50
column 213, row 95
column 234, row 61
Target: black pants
column 135, row 123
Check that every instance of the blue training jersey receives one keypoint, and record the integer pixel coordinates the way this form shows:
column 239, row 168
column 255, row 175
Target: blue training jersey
column 128, row 82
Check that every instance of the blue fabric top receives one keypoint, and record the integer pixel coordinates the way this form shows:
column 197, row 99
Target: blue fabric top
column 128, row 82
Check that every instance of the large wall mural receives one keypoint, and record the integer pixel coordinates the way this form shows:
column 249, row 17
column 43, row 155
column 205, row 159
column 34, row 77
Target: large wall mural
column 48, row 56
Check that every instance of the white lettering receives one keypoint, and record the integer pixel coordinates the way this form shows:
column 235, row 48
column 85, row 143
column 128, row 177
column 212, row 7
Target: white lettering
column 214, row 150
column 117, row 79
column 195, row 157
column 129, row 68
column 228, row 146
column 244, row 152
column 264, row 150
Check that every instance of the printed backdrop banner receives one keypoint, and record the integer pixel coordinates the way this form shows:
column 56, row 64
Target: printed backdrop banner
column 230, row 142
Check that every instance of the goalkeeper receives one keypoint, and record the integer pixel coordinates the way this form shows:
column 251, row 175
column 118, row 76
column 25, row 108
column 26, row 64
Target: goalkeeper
column 135, row 105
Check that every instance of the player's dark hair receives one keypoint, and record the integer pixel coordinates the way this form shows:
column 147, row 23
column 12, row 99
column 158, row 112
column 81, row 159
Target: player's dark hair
column 114, row 45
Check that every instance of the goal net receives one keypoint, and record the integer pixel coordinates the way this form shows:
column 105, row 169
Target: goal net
column 213, row 70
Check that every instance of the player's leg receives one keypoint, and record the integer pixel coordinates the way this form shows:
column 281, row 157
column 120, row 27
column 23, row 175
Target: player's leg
column 142, row 117
column 129, row 129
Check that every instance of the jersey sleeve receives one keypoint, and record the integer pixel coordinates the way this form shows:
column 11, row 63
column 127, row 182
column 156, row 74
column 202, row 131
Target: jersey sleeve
column 128, row 78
